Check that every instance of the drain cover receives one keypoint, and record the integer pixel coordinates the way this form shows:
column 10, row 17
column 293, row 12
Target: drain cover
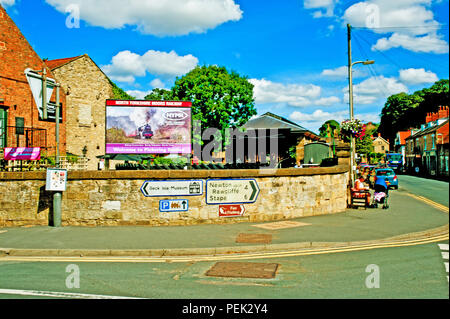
column 243, row 270
column 254, row 238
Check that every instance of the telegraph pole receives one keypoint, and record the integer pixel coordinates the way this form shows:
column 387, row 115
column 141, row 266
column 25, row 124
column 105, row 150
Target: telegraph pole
column 57, row 196
column 350, row 97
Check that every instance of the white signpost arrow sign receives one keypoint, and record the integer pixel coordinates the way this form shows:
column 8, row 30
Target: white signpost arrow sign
column 231, row 191
column 172, row 188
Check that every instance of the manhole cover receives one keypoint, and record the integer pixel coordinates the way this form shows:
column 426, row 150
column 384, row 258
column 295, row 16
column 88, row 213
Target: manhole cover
column 254, row 238
column 281, row 225
column 243, row 270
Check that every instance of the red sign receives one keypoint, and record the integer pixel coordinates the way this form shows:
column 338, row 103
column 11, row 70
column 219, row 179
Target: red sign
column 231, row 210
column 22, row 153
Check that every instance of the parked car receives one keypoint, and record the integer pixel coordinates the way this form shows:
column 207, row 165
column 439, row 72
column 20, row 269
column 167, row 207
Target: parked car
column 389, row 175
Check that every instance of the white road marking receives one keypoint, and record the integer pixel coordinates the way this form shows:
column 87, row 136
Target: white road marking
column 444, row 254
column 59, row 294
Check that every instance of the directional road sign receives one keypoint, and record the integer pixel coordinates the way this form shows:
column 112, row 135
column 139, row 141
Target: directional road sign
column 231, row 191
column 173, row 205
column 172, row 188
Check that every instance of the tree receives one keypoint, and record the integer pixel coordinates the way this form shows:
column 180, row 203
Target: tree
column 219, row 99
column 403, row 111
column 334, row 126
column 120, row 94
column 160, row 95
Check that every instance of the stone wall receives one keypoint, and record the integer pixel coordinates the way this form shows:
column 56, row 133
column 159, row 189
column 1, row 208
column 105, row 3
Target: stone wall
column 88, row 88
column 112, row 198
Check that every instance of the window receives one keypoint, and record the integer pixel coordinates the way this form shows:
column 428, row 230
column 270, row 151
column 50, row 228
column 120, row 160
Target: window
column 433, row 139
column 382, row 148
column 20, row 125
column 424, row 143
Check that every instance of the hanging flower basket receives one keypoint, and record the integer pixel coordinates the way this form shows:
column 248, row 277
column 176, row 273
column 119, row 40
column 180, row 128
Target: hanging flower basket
column 353, row 128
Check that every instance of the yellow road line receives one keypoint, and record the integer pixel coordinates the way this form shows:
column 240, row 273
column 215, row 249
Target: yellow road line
column 260, row 255
column 430, row 202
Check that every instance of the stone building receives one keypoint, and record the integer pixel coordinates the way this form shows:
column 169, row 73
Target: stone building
column 87, row 89
column 380, row 145
column 21, row 119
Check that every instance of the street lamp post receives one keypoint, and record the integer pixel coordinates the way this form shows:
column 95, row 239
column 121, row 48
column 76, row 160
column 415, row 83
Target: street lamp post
column 350, row 96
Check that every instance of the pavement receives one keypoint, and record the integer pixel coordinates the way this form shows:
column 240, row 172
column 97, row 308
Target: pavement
column 408, row 218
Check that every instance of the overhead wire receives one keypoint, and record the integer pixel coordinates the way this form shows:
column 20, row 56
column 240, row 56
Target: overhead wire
column 420, row 56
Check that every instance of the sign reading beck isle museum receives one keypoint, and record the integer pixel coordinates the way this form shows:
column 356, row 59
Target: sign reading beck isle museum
column 231, row 191
column 172, row 188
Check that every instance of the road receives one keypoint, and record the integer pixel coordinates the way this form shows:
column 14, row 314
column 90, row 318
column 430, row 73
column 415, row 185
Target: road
column 418, row 272
column 432, row 189
column 403, row 272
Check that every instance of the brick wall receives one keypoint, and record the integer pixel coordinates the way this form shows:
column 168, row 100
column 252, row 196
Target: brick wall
column 16, row 55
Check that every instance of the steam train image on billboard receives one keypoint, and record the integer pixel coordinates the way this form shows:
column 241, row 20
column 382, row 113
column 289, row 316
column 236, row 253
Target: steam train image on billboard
column 144, row 132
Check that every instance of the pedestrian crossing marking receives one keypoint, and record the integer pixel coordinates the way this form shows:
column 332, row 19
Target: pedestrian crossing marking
column 444, row 253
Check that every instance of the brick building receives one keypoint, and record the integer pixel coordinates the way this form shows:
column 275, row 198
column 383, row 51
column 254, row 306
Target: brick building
column 427, row 149
column 21, row 124
column 87, row 88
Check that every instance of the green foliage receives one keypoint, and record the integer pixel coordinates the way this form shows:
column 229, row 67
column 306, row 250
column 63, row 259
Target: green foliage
column 403, row 111
column 364, row 145
column 293, row 152
column 220, row 99
column 330, row 124
column 161, row 95
column 120, row 94
column 168, row 161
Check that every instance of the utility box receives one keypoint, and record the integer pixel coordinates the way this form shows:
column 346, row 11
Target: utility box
column 315, row 152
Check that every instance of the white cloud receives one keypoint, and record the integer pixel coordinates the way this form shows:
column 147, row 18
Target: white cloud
column 417, row 76
column 326, row 7
column 140, row 95
column 126, row 65
column 6, row 3
column 401, row 18
column 157, row 83
column 266, row 91
column 428, row 43
column 375, row 88
column 157, row 17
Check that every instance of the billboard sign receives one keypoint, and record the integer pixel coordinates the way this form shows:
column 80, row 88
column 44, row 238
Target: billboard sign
column 148, row 127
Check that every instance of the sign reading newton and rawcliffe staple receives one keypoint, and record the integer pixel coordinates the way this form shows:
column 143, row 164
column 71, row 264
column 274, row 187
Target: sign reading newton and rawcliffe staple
column 173, row 205
column 172, row 188
column 231, row 191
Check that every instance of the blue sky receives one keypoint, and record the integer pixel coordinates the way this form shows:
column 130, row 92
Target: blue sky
column 293, row 51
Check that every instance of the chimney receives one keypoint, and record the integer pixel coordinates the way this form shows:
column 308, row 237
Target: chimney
column 443, row 112
column 428, row 118
column 379, row 134
column 434, row 116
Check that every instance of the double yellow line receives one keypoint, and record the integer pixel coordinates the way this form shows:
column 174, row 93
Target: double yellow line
column 430, row 202
column 245, row 256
